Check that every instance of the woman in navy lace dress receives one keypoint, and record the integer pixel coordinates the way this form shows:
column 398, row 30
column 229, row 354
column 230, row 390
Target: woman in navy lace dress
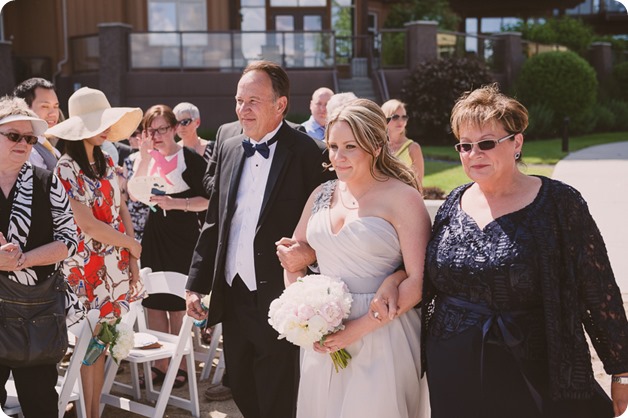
column 515, row 268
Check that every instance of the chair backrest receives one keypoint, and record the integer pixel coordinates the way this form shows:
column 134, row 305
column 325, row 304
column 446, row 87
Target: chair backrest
column 72, row 373
column 170, row 282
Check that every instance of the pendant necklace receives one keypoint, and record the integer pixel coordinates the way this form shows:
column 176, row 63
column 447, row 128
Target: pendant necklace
column 354, row 203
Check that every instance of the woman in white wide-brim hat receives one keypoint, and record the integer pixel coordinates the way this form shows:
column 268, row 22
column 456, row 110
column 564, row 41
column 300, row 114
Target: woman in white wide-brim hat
column 105, row 271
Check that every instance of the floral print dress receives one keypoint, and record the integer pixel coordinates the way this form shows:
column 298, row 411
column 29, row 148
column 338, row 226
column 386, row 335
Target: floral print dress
column 98, row 272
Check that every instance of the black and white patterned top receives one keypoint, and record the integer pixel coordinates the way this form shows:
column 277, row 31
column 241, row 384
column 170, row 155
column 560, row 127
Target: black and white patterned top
column 26, row 219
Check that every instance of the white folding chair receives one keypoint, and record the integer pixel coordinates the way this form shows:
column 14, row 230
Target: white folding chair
column 173, row 347
column 69, row 385
column 211, row 355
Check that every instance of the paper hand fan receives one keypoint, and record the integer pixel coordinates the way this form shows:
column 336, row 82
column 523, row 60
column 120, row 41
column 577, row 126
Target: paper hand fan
column 142, row 188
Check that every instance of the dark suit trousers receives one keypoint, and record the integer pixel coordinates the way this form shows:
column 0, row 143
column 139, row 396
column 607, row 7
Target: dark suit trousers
column 263, row 371
column 35, row 389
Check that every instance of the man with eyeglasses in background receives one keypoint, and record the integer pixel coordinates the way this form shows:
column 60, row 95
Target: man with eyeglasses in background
column 41, row 98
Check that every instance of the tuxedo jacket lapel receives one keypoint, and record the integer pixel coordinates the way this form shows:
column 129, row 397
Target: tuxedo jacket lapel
column 235, row 172
column 280, row 158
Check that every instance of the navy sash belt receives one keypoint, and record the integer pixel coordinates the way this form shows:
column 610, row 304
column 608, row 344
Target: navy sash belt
column 511, row 336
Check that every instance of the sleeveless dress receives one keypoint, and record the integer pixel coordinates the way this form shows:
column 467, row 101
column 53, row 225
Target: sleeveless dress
column 403, row 153
column 383, row 375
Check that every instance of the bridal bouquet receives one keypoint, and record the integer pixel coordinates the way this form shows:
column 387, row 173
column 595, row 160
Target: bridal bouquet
column 311, row 308
column 120, row 338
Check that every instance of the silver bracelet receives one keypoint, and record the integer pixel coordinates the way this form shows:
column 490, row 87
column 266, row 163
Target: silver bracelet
column 622, row 380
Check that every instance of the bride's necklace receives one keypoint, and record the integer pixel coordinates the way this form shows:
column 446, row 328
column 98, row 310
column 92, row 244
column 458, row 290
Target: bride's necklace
column 353, row 204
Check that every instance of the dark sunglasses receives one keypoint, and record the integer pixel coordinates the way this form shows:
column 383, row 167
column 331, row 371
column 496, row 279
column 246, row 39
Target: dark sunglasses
column 485, row 145
column 396, row 117
column 14, row 137
column 185, row 122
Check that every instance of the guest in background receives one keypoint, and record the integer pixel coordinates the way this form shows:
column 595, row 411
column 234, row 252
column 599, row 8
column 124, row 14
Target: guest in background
column 171, row 231
column 338, row 100
column 41, row 97
column 104, row 272
column 408, row 151
column 315, row 125
column 516, row 270
column 37, row 232
column 137, row 209
column 188, row 122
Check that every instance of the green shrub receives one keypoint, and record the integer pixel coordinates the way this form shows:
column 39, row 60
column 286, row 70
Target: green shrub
column 563, row 81
column 583, row 123
column 431, row 91
column 605, row 118
column 620, row 74
column 620, row 110
column 541, row 122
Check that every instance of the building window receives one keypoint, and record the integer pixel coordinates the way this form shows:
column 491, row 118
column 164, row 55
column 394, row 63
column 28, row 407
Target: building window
column 298, row 3
column 253, row 14
column 177, row 15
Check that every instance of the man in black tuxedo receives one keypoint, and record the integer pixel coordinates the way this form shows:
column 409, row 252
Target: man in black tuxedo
column 261, row 181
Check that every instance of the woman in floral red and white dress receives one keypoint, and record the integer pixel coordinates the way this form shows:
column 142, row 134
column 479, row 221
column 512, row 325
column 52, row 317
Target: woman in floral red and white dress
column 104, row 272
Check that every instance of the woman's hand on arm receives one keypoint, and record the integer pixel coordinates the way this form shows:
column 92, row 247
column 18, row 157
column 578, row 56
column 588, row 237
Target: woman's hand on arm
column 102, row 231
column 10, row 255
column 384, row 304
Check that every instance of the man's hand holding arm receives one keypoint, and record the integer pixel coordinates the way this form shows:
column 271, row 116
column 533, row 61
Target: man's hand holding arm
column 294, row 255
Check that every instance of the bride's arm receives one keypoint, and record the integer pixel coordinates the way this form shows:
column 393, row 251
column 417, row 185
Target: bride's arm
column 412, row 223
column 299, row 236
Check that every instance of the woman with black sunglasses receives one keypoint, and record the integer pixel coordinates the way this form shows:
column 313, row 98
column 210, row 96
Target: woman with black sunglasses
column 516, row 270
column 406, row 150
column 188, row 122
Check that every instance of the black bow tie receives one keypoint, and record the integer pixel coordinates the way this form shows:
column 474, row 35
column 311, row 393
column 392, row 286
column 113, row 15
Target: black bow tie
column 263, row 148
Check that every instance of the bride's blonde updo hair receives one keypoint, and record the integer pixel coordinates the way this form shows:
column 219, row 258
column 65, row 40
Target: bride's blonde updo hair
column 368, row 125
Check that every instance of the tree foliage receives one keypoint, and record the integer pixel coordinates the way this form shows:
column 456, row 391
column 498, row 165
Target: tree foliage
column 410, row 10
column 432, row 89
column 566, row 31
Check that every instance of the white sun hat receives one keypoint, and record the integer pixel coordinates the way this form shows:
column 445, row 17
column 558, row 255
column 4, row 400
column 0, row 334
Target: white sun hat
column 91, row 114
column 39, row 125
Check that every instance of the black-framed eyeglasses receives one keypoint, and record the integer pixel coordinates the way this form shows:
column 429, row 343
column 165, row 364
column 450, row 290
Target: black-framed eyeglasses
column 185, row 122
column 15, row 137
column 396, row 117
column 485, row 145
column 160, row 131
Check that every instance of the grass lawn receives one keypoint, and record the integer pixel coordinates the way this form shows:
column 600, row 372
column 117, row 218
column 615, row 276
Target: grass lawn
column 443, row 169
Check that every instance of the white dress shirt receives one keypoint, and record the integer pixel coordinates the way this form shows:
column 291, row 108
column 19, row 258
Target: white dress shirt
column 240, row 251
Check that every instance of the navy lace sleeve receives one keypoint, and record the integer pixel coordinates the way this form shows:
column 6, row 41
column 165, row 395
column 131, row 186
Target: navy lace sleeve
column 602, row 307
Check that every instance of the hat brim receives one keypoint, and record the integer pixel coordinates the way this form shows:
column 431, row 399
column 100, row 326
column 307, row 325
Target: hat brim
column 122, row 122
column 39, row 125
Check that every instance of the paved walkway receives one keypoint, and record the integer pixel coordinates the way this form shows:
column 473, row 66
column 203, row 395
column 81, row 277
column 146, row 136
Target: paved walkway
column 600, row 173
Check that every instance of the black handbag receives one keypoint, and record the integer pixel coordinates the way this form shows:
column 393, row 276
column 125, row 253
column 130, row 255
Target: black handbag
column 32, row 322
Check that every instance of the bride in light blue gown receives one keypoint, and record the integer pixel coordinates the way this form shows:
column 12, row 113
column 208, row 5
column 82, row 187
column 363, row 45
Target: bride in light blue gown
column 364, row 227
